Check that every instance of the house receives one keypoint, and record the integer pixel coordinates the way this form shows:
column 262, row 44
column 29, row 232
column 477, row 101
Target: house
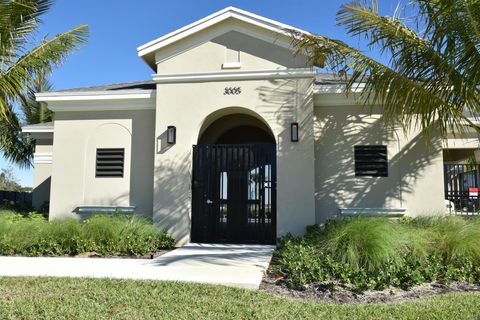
column 234, row 139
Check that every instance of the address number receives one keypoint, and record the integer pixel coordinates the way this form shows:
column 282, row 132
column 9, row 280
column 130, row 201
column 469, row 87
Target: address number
column 232, row 91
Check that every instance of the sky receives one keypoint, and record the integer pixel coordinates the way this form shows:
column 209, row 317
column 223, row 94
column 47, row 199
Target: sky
column 118, row 27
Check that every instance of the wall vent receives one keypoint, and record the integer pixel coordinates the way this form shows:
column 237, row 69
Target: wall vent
column 110, row 163
column 371, row 161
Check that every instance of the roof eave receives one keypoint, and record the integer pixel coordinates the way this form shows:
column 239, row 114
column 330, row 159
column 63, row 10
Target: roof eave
column 33, row 129
column 94, row 95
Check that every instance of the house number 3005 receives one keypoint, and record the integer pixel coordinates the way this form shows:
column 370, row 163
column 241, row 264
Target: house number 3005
column 232, row 91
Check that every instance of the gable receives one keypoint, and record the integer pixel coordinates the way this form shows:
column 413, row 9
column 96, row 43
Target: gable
column 232, row 28
column 232, row 50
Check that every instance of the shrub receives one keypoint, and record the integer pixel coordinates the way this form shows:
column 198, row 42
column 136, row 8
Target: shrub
column 363, row 242
column 452, row 237
column 374, row 253
column 130, row 235
column 15, row 206
column 33, row 235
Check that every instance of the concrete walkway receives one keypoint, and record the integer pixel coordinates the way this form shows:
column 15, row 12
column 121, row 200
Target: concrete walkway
column 227, row 264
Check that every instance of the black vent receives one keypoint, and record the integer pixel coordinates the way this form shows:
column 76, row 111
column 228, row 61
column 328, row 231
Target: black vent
column 109, row 163
column 371, row 161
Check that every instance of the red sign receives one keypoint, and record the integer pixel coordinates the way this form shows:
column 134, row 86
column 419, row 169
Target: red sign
column 473, row 192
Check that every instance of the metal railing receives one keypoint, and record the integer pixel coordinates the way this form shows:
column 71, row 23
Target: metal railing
column 461, row 188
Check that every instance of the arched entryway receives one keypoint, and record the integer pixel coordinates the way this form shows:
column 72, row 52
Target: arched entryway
column 234, row 182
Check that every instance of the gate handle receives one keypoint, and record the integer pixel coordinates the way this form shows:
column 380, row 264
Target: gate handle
column 209, row 201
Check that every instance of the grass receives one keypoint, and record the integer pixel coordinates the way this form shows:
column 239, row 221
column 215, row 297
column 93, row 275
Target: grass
column 74, row 298
column 105, row 234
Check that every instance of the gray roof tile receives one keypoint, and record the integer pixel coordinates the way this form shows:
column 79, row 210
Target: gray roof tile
column 320, row 79
column 137, row 85
column 328, row 78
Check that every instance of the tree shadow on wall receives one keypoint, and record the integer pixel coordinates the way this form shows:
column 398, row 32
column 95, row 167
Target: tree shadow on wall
column 172, row 181
column 337, row 131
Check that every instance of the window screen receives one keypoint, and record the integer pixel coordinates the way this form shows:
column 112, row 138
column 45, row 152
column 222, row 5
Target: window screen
column 371, row 161
column 110, row 163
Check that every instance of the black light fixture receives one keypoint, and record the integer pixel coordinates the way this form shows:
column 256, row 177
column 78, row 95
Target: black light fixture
column 171, row 134
column 294, row 131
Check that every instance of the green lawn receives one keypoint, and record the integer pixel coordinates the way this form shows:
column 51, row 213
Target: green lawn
column 62, row 298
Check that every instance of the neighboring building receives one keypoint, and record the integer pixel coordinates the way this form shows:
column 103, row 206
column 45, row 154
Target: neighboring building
column 42, row 159
column 236, row 139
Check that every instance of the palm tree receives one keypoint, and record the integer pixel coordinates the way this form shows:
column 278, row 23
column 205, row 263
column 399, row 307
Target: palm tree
column 433, row 74
column 20, row 65
column 33, row 111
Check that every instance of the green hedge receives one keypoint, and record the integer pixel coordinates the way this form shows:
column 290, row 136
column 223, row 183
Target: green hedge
column 104, row 234
column 375, row 253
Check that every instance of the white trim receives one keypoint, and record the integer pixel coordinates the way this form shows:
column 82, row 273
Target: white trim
column 42, row 158
column 38, row 130
column 387, row 212
column 103, row 105
column 336, row 99
column 95, row 95
column 461, row 143
column 237, row 75
column 329, row 95
column 99, row 100
column 222, row 15
column 232, row 65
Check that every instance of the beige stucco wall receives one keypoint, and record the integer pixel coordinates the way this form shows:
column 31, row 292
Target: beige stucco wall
column 468, row 140
column 278, row 103
column 197, row 54
column 461, row 147
column 227, row 49
column 192, row 106
column 42, row 174
column 77, row 136
column 415, row 167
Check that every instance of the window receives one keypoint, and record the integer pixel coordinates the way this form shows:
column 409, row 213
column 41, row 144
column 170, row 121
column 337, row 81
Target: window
column 109, row 163
column 371, row 161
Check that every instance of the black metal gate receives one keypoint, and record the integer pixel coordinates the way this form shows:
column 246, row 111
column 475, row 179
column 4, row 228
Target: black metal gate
column 234, row 193
column 461, row 187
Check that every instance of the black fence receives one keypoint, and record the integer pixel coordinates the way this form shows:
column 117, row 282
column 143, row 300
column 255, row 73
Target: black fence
column 461, row 188
column 234, row 193
column 11, row 198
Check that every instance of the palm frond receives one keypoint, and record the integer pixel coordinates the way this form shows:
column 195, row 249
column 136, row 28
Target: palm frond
column 16, row 147
column 453, row 28
column 421, row 86
column 18, row 20
column 41, row 59
column 33, row 111
column 21, row 67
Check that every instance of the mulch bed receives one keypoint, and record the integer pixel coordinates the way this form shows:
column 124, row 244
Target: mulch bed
column 343, row 294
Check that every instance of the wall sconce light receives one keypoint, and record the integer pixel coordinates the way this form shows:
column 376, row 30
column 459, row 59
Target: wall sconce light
column 171, row 134
column 294, row 131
